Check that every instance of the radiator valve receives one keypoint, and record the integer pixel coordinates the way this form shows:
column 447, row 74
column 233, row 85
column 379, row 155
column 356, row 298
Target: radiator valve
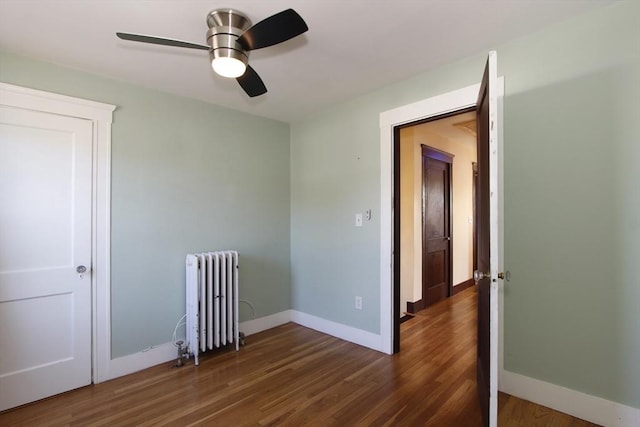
column 182, row 354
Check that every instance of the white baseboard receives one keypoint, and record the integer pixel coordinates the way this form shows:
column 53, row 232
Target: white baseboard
column 165, row 352
column 254, row 326
column 338, row 330
column 580, row 405
column 142, row 360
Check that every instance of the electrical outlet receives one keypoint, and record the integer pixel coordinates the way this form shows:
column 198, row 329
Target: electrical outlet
column 358, row 303
column 358, row 220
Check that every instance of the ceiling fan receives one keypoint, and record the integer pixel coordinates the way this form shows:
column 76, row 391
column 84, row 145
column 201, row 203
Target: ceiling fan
column 231, row 37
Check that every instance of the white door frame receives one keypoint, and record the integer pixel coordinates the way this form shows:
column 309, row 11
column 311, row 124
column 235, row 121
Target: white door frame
column 101, row 116
column 432, row 107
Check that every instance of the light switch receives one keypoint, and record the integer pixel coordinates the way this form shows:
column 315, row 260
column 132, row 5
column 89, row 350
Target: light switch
column 358, row 220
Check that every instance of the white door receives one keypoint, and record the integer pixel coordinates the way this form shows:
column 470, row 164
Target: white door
column 45, row 238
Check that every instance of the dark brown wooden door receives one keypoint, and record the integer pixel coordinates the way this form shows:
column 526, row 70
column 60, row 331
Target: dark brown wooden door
column 486, row 237
column 436, row 227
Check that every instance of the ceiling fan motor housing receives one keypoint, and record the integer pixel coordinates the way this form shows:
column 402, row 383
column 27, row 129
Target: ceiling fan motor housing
column 225, row 26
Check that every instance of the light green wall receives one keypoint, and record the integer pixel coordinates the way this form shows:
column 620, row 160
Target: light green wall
column 572, row 201
column 572, row 207
column 186, row 176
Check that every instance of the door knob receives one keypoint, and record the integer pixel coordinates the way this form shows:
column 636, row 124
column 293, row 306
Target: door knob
column 478, row 275
column 81, row 269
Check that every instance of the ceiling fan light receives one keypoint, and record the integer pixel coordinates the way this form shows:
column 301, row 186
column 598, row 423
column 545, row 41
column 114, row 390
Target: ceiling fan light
column 228, row 67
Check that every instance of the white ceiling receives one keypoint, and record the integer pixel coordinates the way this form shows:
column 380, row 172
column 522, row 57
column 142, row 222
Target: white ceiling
column 352, row 46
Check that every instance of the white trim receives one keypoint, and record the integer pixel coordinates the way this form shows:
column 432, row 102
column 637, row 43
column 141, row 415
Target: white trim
column 495, row 123
column 38, row 100
column 101, row 116
column 501, row 267
column 338, row 330
column 102, row 252
column 386, row 234
column 144, row 359
column 435, row 106
column 254, row 326
column 580, row 405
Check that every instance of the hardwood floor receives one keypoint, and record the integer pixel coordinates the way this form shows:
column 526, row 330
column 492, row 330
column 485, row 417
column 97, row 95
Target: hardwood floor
column 514, row 412
column 293, row 376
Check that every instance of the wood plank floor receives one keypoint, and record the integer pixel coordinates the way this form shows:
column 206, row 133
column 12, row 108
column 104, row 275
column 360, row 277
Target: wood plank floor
column 292, row 376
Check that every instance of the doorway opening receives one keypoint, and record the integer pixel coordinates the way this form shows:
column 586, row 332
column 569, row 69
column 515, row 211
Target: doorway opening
column 435, row 220
column 391, row 121
column 434, row 240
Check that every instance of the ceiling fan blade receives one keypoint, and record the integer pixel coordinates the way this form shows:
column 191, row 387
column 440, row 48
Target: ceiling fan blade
column 251, row 82
column 161, row 40
column 273, row 30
